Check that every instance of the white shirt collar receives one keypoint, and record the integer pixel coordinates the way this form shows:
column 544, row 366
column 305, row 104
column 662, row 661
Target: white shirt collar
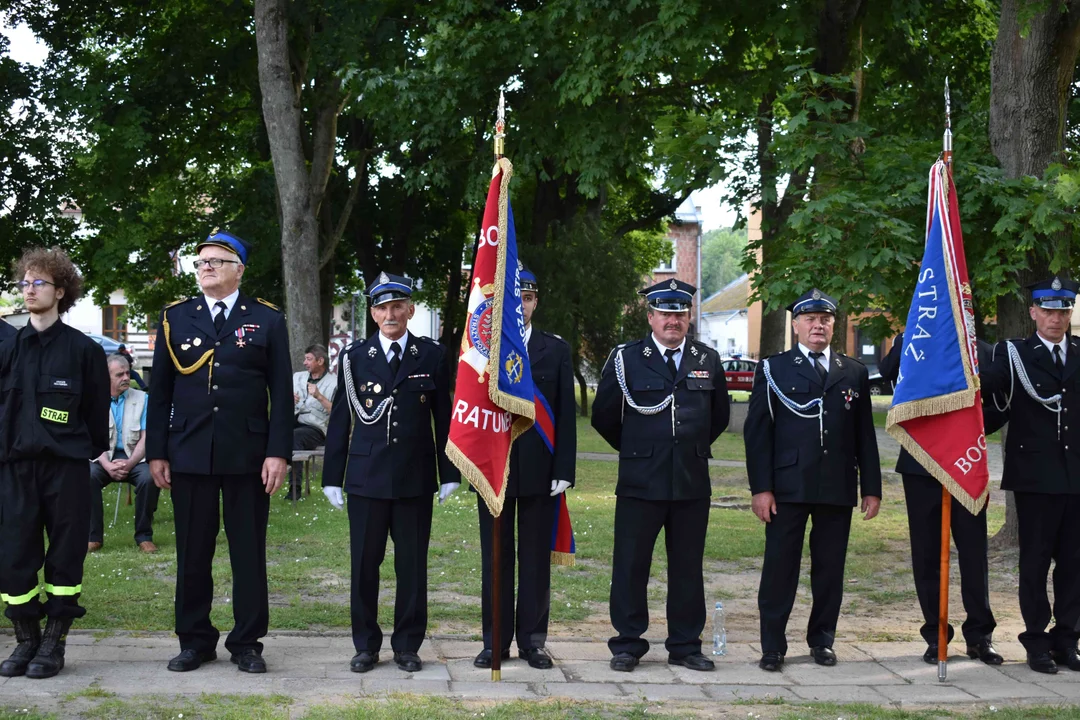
column 229, row 302
column 827, row 355
column 1050, row 346
column 663, row 348
column 528, row 334
column 385, row 343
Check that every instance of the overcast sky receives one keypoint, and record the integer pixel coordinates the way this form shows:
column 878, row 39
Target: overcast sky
column 26, row 48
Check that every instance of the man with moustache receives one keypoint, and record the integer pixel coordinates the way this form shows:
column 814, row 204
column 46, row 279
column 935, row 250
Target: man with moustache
column 1042, row 468
column 55, row 399
column 810, row 444
column 538, row 473
column 386, row 446
column 219, row 430
column 124, row 460
column 661, row 403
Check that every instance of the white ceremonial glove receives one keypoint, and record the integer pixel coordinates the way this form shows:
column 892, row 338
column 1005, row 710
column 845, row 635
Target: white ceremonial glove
column 447, row 490
column 334, row 495
column 558, row 487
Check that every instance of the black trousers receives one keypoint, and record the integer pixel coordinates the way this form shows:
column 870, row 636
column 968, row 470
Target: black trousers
column 47, row 496
column 637, row 525
column 246, row 508
column 408, row 523
column 534, row 515
column 780, row 573
column 146, row 499
column 1048, row 531
column 922, row 495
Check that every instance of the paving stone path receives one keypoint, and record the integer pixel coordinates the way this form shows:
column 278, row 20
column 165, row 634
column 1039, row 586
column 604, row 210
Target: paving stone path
column 313, row 669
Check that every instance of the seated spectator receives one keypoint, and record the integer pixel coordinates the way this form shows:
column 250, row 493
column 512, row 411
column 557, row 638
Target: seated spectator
column 125, row 460
column 135, row 377
column 313, row 393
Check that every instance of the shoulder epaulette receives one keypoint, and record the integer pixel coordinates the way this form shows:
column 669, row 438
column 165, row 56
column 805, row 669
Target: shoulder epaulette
column 848, row 357
column 426, row 339
column 176, row 302
column 552, row 335
column 269, row 304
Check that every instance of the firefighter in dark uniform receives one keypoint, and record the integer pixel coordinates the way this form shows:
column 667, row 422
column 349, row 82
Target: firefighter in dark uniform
column 537, row 476
column 1042, row 468
column 219, row 428
column 393, row 389
column 810, row 444
column 54, row 388
column 922, row 496
column 662, row 401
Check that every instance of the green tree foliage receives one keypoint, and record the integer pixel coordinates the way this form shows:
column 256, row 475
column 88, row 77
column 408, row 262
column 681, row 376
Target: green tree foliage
column 723, row 254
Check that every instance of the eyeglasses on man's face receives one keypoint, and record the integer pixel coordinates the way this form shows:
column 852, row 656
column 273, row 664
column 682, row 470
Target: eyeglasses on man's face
column 24, row 285
column 215, row 263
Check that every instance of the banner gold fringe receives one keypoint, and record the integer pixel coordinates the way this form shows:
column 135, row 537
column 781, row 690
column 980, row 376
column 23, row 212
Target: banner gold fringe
column 973, row 505
column 930, row 406
column 476, row 478
column 561, row 558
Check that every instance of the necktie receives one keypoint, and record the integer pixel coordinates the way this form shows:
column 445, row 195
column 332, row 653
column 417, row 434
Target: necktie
column 819, row 365
column 670, row 355
column 395, row 358
column 219, row 319
column 1057, row 359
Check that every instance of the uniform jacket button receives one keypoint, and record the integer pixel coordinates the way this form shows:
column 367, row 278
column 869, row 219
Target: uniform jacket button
column 215, row 387
column 395, row 439
column 217, row 364
column 395, row 424
column 826, row 452
column 217, row 344
column 215, row 409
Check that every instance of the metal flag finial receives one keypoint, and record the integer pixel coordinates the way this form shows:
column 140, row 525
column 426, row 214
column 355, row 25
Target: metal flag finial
column 500, row 127
column 946, row 141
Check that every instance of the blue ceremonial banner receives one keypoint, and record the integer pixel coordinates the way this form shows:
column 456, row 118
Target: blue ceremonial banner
column 936, row 413
column 515, row 374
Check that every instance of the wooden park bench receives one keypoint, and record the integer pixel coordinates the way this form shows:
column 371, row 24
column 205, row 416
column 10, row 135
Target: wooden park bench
column 303, row 462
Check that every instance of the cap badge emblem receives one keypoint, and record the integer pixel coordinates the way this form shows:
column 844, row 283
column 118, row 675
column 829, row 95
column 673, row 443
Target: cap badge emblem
column 383, row 278
column 1056, row 285
column 673, row 285
column 816, row 295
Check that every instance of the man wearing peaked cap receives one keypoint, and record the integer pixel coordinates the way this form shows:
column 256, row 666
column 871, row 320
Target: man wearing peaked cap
column 1042, row 468
column 386, row 449
column 538, row 474
column 219, row 431
column 662, row 401
column 810, row 444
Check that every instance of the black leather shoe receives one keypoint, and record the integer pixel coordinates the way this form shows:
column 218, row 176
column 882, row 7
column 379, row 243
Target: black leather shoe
column 985, row 651
column 408, row 661
column 537, row 658
column 930, row 656
column 823, row 655
column 363, row 661
column 771, row 661
column 694, row 661
column 483, row 660
column 624, row 662
column 189, row 660
column 1042, row 662
column 1068, row 658
column 249, row 661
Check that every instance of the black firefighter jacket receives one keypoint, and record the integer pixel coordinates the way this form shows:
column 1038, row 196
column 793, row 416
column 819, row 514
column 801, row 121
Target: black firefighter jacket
column 795, row 458
column 664, row 456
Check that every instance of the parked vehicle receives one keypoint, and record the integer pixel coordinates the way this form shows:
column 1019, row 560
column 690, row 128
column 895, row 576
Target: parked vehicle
column 878, row 384
column 739, row 373
column 107, row 343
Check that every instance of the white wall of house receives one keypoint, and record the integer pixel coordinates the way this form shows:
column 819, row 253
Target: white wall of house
column 728, row 331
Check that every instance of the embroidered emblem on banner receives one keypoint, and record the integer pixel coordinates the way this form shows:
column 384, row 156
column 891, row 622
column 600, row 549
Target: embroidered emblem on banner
column 513, row 367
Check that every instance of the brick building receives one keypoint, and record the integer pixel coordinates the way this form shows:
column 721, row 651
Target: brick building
column 685, row 261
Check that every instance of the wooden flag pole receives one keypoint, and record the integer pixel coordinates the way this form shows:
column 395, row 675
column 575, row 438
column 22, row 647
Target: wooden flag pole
column 946, row 498
column 496, row 526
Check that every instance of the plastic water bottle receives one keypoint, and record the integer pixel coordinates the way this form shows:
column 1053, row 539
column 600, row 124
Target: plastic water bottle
column 719, row 632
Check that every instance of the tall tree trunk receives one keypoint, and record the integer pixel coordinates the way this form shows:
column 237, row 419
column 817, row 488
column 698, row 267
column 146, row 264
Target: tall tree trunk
column 1031, row 72
column 299, row 222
